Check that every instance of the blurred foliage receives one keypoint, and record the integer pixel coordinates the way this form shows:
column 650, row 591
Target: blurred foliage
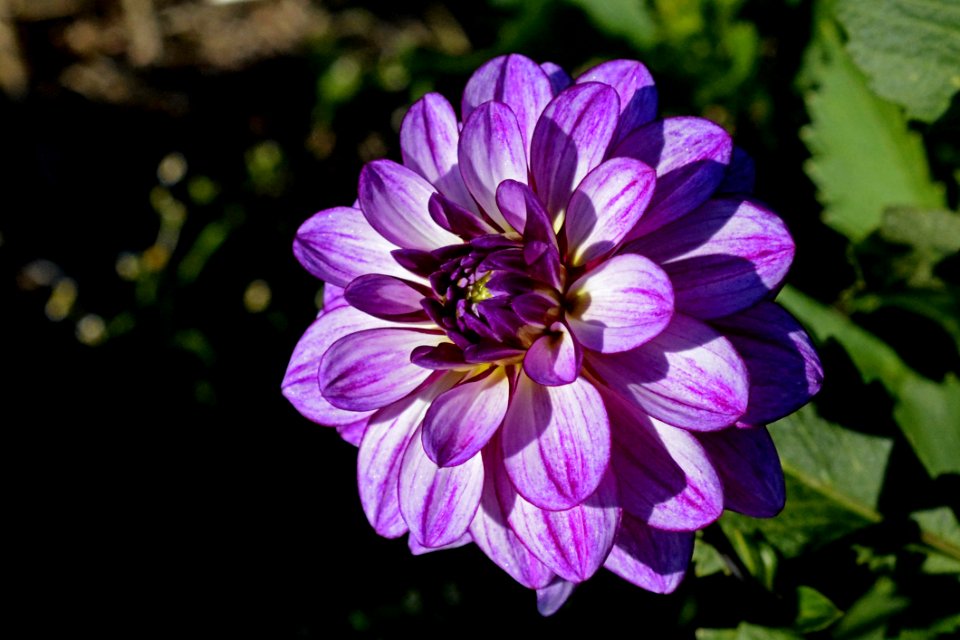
column 168, row 150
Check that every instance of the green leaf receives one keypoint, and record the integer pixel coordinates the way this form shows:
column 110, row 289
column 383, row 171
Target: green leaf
column 871, row 613
column 926, row 412
column 833, row 477
column 707, row 560
column 814, row 610
column 864, row 159
column 746, row 631
column 908, row 48
column 943, row 307
column 627, row 19
column 941, row 532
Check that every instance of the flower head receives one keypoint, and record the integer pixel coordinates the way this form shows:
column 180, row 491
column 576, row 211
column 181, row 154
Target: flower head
column 550, row 330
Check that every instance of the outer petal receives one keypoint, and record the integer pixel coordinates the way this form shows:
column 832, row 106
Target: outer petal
column 622, row 304
column 634, row 85
column 556, row 442
column 353, row 432
column 551, row 597
column 462, row 420
column 785, row 371
column 605, row 207
column 395, row 202
column 438, row 503
column 337, row 245
column 370, row 369
column 514, row 80
column 573, row 543
column 664, row 474
column 491, row 151
column 650, row 558
column 378, row 462
column 300, row 384
column 691, row 157
column 749, row 468
column 429, row 137
column 559, row 79
column 689, row 376
column 418, row 549
column 494, row 536
column 722, row 258
column 332, row 297
column 554, row 359
column 570, row 140
column 741, row 174
column 387, row 297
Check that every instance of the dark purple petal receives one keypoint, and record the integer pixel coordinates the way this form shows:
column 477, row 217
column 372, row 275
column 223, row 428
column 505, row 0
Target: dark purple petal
column 394, row 200
column 300, row 383
column 691, row 157
column 381, row 452
column 353, row 432
column 337, row 245
column 428, row 141
column 664, row 474
column 556, row 442
column 634, row 85
column 456, row 219
column 484, row 352
column 572, row 543
column 605, row 208
column 749, row 468
column 516, row 81
column 422, row 263
column 722, row 258
column 784, row 369
column 622, row 304
column 554, row 358
column 741, row 174
column 491, row 151
column 551, row 597
column 370, row 369
column 418, row 549
column 688, row 376
column 494, row 536
column 445, row 355
column 540, row 307
column 438, row 503
column 571, row 139
column 559, row 79
column 462, row 420
column 650, row 558
column 524, row 211
column 387, row 297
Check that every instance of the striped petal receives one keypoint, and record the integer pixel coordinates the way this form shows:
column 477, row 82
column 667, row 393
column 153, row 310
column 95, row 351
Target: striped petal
column 650, row 558
column 749, row 468
column 634, row 85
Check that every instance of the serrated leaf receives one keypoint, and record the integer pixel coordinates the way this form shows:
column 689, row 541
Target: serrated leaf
column 941, row 532
column 628, row 19
column 908, row 48
column 815, row 611
column 927, row 413
column 833, row 478
column 864, row 159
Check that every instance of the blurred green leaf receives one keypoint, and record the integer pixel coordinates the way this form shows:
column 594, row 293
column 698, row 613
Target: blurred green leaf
column 908, row 48
column 943, row 307
column 627, row 19
column 868, row 616
column 931, row 234
column 746, row 631
column 928, row 413
column 757, row 556
column 941, row 532
column 707, row 560
column 815, row 611
column 864, row 159
column 833, row 476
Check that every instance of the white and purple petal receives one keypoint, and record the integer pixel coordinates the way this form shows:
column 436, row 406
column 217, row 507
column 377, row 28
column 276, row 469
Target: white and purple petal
column 551, row 597
column 554, row 358
column 387, row 297
column 634, row 86
column 650, row 558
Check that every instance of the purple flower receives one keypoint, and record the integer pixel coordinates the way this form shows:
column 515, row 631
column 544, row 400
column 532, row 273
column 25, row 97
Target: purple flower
column 550, row 330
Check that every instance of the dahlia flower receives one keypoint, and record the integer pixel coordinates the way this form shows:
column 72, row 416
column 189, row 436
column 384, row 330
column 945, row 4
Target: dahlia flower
column 550, row 329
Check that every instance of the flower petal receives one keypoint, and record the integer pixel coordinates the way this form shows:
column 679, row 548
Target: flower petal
column 551, row 597
column 395, row 202
column 516, row 81
column 438, row 503
column 353, row 432
column 741, row 174
column 370, row 369
column 663, row 473
column 418, row 549
column 456, row 219
column 605, row 207
column 573, row 543
column 722, row 258
column 650, row 558
column 785, row 371
column 491, row 151
column 691, row 157
column 688, row 376
column 429, row 137
column 554, row 359
column 462, row 420
column 559, row 79
column 634, row 85
column 571, row 139
column 749, row 467
column 556, row 442
column 338, row 245
column 387, row 297
column 495, row 537
column 300, row 383
column 381, row 452
column 332, row 297
column 620, row 305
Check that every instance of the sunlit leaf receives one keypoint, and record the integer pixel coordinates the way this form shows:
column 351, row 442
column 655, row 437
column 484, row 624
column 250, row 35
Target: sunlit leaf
column 908, row 48
column 814, row 610
column 941, row 532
